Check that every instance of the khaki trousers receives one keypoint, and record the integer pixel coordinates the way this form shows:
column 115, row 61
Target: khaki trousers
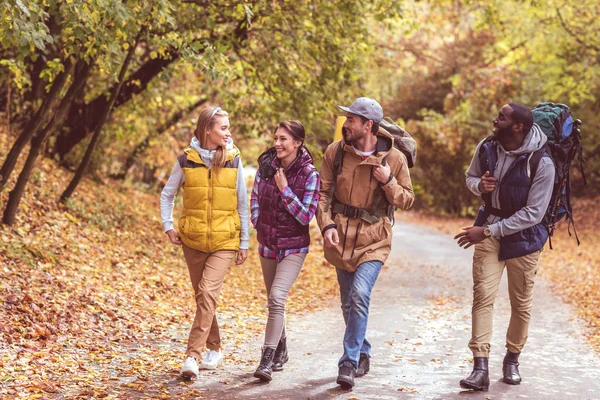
column 279, row 278
column 207, row 272
column 487, row 272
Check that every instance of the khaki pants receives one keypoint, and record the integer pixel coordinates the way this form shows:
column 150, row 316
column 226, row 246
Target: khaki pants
column 487, row 272
column 279, row 278
column 207, row 272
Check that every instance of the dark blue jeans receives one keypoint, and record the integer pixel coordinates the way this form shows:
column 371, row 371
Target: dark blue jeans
column 355, row 292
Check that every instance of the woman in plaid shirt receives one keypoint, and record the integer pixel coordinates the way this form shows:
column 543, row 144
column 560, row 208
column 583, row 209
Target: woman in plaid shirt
column 284, row 200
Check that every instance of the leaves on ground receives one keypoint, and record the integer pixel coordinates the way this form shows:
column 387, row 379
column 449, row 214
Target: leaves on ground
column 97, row 304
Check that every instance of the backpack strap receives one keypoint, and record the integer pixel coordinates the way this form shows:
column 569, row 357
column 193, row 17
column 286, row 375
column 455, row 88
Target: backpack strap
column 338, row 161
column 370, row 215
column 536, row 157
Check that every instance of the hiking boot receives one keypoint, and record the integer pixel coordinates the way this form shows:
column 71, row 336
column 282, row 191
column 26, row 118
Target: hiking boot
column 190, row 368
column 510, row 368
column 263, row 372
column 281, row 355
column 479, row 378
column 364, row 365
column 346, row 377
column 211, row 359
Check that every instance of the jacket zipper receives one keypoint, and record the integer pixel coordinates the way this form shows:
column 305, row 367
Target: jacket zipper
column 345, row 237
column 209, row 216
column 356, row 238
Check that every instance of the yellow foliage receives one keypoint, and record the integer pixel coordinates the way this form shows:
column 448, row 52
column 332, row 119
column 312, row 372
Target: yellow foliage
column 96, row 301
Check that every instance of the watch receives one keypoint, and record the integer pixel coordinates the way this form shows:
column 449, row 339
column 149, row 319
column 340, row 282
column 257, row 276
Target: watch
column 487, row 232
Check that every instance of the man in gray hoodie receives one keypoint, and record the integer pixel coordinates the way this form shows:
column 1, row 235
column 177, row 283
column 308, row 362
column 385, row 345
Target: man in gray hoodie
column 508, row 232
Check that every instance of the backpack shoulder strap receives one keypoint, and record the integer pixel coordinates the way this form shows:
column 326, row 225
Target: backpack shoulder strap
column 338, row 161
column 536, row 157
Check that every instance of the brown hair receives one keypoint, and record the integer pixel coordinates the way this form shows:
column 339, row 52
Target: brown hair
column 206, row 121
column 296, row 129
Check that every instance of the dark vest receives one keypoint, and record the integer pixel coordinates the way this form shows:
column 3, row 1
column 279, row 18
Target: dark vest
column 276, row 227
column 513, row 190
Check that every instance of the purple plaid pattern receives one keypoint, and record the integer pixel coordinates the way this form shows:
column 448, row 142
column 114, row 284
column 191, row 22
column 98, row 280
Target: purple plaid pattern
column 303, row 211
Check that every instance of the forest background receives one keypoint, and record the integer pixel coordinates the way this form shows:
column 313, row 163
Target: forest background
column 97, row 97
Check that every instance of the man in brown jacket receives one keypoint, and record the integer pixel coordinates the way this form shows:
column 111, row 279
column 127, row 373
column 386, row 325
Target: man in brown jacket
column 370, row 179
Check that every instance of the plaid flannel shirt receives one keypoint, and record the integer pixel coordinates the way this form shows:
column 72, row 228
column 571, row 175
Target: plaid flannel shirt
column 303, row 211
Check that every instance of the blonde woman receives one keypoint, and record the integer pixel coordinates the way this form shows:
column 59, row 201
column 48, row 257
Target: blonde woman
column 213, row 227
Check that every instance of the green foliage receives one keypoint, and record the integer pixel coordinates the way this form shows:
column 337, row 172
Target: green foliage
column 448, row 66
column 444, row 67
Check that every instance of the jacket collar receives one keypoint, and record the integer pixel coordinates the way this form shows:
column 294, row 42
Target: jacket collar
column 384, row 144
column 194, row 156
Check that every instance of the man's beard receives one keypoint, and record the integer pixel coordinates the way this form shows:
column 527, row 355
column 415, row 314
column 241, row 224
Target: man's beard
column 503, row 133
column 355, row 135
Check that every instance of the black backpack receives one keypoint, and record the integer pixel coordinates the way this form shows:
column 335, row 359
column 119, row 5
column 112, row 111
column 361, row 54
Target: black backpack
column 564, row 143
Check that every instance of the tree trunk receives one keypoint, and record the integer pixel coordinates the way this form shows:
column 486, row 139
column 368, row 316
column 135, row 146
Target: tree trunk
column 8, row 100
column 86, row 117
column 37, row 142
column 103, row 118
column 36, row 122
column 143, row 145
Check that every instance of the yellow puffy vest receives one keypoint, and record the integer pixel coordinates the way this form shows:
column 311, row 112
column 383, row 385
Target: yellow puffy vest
column 210, row 221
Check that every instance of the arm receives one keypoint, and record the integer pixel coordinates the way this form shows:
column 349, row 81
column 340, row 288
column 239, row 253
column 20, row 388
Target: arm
column 537, row 203
column 167, row 196
column 398, row 189
column 242, row 207
column 303, row 210
column 254, row 205
column 324, row 219
column 474, row 173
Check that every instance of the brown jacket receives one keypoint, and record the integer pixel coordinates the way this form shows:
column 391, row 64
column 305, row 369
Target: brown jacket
column 360, row 241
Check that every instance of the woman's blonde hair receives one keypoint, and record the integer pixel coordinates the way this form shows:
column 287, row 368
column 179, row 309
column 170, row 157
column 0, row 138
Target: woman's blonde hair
column 206, row 122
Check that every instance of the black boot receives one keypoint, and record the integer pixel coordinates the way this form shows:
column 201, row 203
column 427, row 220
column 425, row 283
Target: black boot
column 346, row 377
column 263, row 372
column 510, row 368
column 281, row 355
column 479, row 378
column 364, row 365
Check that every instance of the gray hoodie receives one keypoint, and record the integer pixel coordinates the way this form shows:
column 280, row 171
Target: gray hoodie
column 539, row 194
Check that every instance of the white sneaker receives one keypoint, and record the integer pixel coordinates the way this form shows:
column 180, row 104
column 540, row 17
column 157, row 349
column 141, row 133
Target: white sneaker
column 190, row 368
column 210, row 359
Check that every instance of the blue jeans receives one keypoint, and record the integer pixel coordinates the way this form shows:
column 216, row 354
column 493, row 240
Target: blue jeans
column 355, row 292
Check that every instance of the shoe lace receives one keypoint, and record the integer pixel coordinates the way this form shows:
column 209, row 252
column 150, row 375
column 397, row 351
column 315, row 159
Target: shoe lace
column 278, row 353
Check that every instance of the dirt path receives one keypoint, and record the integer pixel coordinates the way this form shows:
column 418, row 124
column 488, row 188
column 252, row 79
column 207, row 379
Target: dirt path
column 419, row 328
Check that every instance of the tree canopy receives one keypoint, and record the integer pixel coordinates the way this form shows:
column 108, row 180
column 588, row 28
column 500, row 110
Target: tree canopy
column 441, row 68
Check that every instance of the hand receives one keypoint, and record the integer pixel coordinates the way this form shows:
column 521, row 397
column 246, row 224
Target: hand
column 280, row 179
column 471, row 235
column 241, row 257
column 382, row 173
column 174, row 237
column 487, row 183
column 331, row 237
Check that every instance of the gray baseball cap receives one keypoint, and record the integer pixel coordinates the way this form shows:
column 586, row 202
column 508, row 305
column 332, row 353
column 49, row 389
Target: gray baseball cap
column 365, row 107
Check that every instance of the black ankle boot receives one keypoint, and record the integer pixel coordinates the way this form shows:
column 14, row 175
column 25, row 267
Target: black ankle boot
column 263, row 372
column 510, row 368
column 345, row 377
column 281, row 355
column 479, row 378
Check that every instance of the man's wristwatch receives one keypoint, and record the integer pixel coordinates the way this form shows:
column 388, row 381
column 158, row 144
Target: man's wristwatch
column 487, row 232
